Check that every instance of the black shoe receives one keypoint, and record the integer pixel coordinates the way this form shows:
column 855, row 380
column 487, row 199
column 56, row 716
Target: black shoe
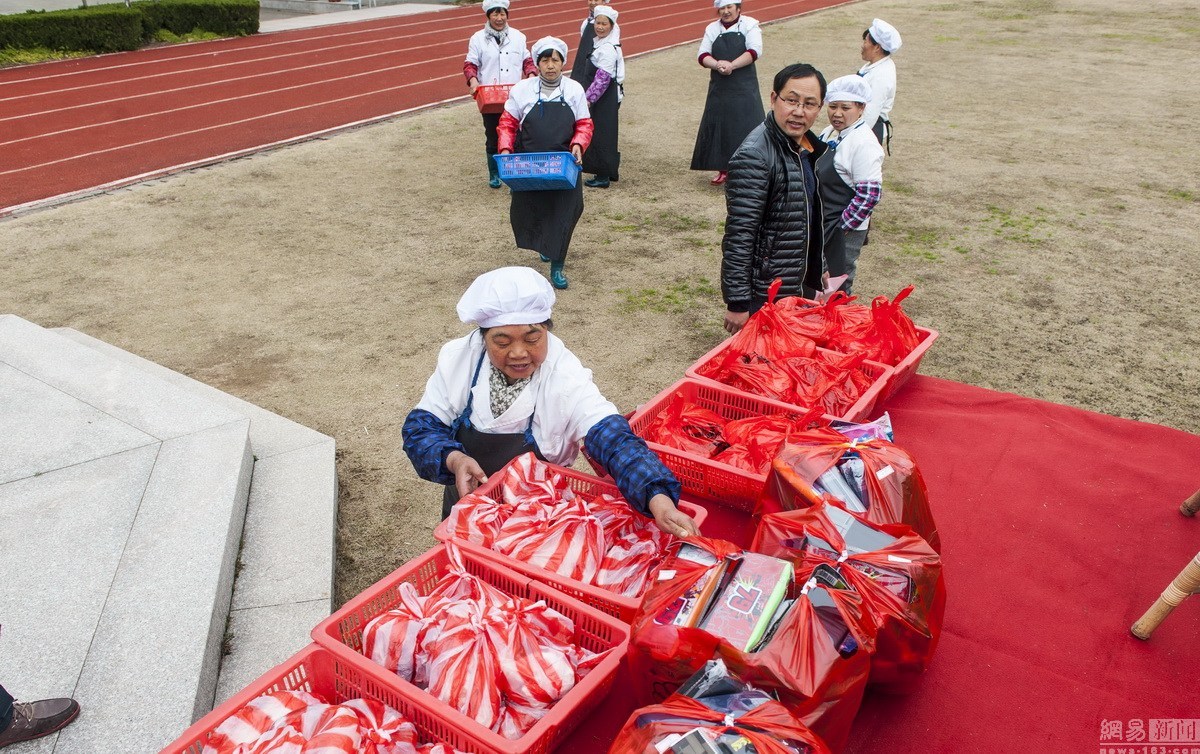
column 596, row 182
column 36, row 719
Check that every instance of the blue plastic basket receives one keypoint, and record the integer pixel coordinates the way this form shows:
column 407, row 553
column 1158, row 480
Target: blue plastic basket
column 538, row 171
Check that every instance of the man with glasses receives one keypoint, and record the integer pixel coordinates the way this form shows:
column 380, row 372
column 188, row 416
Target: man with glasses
column 773, row 226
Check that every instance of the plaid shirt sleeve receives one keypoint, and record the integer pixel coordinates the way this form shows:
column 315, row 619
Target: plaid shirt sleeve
column 866, row 196
column 638, row 472
column 428, row 441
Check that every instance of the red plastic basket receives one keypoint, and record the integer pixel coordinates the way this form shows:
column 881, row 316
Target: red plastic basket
column 318, row 671
column 597, row 597
column 880, row 374
column 704, row 477
column 908, row 365
column 491, row 97
column 341, row 634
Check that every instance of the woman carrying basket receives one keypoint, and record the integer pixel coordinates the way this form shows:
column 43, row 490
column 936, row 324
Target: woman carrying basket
column 734, row 106
column 547, row 114
column 496, row 54
column 511, row 387
column 604, row 79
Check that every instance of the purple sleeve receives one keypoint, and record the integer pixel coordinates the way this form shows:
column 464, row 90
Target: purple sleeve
column 866, row 196
column 599, row 86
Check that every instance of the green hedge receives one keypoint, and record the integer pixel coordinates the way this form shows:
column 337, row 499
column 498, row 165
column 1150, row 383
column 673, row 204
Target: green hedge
column 225, row 17
column 104, row 28
column 113, row 27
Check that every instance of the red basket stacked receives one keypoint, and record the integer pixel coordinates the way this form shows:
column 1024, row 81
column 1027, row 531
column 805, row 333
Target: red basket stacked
column 491, row 97
column 341, row 634
column 704, row 477
column 597, row 597
column 335, row 680
column 880, row 376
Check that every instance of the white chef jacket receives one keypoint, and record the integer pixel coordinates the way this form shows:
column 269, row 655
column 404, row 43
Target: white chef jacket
column 524, row 95
column 564, row 401
column 858, row 157
column 881, row 77
column 746, row 25
column 614, row 36
column 498, row 64
column 608, row 58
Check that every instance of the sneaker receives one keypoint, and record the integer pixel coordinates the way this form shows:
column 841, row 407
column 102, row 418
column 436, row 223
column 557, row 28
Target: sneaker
column 36, row 719
column 596, row 182
column 720, row 179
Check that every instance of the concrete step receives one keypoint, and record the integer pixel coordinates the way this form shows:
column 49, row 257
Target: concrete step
column 122, row 501
column 284, row 584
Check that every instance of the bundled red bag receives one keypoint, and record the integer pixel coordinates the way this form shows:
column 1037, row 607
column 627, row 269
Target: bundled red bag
column 895, row 489
column 758, row 376
column 800, row 665
column 768, row 334
column 687, row 427
column 477, row 518
column 463, row 664
column 535, row 668
column 569, row 541
column 631, row 561
column 900, row 582
column 883, row 332
column 393, row 639
column 766, row 727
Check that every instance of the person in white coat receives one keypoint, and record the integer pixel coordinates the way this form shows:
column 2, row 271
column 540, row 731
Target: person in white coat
column 734, row 106
column 849, row 175
column 512, row 387
column 879, row 41
column 604, row 81
column 496, row 54
column 587, row 41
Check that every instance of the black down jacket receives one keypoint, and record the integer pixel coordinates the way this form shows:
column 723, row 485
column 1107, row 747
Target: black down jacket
column 770, row 231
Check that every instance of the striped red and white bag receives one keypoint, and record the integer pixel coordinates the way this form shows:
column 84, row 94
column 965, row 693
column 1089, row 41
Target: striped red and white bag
column 462, row 664
column 394, row 638
column 258, row 717
column 631, row 561
column 570, row 544
column 477, row 518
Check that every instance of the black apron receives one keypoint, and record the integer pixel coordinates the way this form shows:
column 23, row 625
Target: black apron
column 545, row 220
column 883, row 132
column 836, row 197
column 602, row 156
column 583, row 55
column 733, row 109
column 490, row 451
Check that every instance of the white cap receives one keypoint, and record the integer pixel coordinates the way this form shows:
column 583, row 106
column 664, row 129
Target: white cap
column 607, row 11
column 507, row 296
column 853, row 88
column 885, row 35
column 549, row 43
column 491, row 5
column 718, row 4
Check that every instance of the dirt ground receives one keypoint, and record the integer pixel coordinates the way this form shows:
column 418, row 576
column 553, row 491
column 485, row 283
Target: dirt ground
column 1042, row 195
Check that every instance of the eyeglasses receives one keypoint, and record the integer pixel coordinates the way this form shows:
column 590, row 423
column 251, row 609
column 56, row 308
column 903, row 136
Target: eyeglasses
column 795, row 104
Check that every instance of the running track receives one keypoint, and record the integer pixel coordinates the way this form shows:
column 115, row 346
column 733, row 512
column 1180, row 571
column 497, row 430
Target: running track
column 73, row 127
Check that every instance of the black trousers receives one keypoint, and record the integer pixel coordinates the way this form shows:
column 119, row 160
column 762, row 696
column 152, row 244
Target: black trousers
column 6, row 709
column 491, row 137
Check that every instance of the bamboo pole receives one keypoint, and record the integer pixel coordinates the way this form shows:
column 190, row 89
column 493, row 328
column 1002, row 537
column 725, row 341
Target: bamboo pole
column 1186, row 583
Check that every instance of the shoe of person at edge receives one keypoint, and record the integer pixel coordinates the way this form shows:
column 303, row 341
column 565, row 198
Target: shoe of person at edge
column 493, row 173
column 557, row 278
column 36, row 719
column 720, row 179
column 544, row 257
column 597, row 182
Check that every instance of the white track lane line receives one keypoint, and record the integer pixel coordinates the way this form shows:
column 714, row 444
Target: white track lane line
column 336, row 35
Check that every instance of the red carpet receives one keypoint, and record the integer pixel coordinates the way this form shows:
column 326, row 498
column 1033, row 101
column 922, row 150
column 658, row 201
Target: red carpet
column 1059, row 527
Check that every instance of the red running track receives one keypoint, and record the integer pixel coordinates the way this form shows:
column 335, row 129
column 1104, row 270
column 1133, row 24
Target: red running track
column 72, row 127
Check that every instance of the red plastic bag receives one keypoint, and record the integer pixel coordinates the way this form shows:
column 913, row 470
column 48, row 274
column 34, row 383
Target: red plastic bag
column 766, row 727
column 769, row 333
column 569, row 541
column 800, row 665
column 463, row 665
column 631, row 561
column 759, row 377
column 393, row 639
column 477, row 518
column 901, row 585
column 882, row 333
column 687, row 427
column 895, row 489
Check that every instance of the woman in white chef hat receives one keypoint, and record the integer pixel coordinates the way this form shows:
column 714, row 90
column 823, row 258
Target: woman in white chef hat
column 512, row 387
column 496, row 54
column 587, row 40
column 604, row 78
column 849, row 175
column 734, row 107
column 547, row 114
column 880, row 40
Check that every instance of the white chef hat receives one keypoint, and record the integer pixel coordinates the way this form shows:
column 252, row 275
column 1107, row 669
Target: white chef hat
column 491, row 5
column 719, row 4
column 549, row 43
column 507, row 296
column 885, row 35
column 607, row 11
column 853, row 88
